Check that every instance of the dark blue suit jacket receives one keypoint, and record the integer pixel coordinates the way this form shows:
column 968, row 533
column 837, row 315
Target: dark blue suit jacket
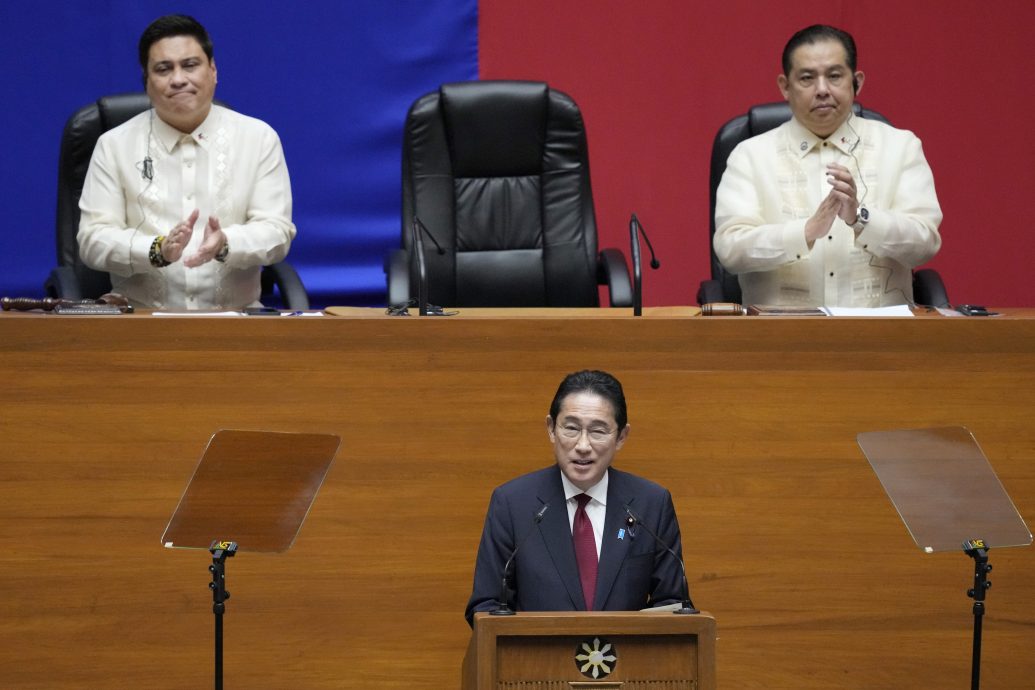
column 634, row 571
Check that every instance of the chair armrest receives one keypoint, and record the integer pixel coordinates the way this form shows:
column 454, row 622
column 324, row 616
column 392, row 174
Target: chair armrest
column 710, row 291
column 63, row 283
column 928, row 289
column 284, row 276
column 613, row 272
column 397, row 276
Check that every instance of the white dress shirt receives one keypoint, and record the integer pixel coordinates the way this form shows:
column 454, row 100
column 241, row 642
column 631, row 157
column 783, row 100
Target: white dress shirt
column 775, row 181
column 596, row 509
column 231, row 167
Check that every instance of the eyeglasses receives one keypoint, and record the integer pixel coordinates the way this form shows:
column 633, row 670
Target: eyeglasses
column 597, row 435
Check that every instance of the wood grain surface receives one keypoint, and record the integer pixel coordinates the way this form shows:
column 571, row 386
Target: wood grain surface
column 751, row 422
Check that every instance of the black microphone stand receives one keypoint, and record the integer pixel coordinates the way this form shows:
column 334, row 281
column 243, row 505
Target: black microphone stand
column 504, row 608
column 686, row 606
column 220, row 550
column 422, row 268
column 978, row 550
column 634, row 248
column 635, row 230
column 419, row 230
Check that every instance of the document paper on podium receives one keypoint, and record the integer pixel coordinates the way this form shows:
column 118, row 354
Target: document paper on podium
column 944, row 488
column 251, row 487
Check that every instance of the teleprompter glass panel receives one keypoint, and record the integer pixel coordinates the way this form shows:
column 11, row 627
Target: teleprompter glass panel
column 251, row 487
column 944, row 488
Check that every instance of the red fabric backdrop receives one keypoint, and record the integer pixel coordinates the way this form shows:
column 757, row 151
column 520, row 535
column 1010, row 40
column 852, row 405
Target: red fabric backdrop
column 656, row 78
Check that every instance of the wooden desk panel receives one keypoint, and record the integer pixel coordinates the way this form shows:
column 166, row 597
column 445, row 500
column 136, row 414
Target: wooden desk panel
column 790, row 540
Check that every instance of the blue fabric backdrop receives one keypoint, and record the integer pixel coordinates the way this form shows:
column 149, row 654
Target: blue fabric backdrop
column 334, row 78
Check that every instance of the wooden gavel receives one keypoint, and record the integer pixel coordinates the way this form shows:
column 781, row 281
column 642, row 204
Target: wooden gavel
column 48, row 303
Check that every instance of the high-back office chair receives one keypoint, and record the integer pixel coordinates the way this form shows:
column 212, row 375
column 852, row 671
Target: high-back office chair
column 723, row 286
column 498, row 172
column 72, row 279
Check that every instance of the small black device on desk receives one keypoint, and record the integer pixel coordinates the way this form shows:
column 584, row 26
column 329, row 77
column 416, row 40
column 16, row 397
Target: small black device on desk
column 974, row 310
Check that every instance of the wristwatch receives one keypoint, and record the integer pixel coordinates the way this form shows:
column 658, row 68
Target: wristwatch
column 862, row 217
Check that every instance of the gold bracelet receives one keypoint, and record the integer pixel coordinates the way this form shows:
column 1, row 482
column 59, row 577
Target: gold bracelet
column 155, row 254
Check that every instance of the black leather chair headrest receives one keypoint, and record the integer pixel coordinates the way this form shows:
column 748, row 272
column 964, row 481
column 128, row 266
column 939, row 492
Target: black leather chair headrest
column 507, row 143
column 767, row 116
column 114, row 110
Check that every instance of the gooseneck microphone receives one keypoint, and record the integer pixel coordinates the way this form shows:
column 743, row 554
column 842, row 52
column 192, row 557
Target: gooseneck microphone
column 419, row 230
column 633, row 520
column 635, row 230
column 504, row 608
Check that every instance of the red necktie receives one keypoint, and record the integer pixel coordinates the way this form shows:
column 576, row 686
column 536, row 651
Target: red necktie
column 585, row 550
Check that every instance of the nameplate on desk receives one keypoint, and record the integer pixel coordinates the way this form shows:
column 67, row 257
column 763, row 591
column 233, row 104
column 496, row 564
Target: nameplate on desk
column 776, row 310
column 197, row 312
column 91, row 309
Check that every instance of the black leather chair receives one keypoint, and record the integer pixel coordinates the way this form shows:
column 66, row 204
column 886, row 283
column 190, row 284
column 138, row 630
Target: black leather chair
column 72, row 279
column 723, row 286
column 498, row 172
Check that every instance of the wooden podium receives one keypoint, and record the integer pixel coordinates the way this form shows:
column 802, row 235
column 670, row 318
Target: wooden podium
column 538, row 650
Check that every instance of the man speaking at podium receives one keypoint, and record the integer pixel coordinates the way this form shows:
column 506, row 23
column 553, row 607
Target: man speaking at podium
column 570, row 523
column 184, row 203
column 827, row 209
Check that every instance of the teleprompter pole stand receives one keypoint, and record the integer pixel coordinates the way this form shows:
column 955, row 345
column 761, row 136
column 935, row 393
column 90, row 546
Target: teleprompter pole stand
column 221, row 550
column 978, row 550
